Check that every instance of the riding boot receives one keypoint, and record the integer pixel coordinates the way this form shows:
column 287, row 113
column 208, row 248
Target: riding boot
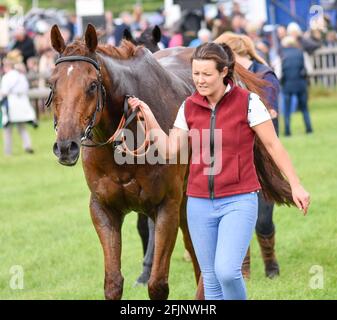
column 246, row 265
column 267, row 244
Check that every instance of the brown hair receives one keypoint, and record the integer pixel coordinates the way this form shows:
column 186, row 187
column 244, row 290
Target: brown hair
column 222, row 55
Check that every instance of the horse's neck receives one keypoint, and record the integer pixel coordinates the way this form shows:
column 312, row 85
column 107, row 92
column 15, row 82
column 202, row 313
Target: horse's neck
column 145, row 78
column 118, row 75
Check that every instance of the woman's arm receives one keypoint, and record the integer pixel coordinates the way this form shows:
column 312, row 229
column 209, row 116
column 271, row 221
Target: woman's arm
column 168, row 145
column 266, row 132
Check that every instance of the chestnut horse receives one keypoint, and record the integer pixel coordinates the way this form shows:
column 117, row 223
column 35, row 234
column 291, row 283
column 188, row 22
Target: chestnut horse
column 89, row 86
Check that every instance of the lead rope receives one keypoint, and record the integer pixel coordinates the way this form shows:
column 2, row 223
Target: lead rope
column 144, row 125
column 120, row 145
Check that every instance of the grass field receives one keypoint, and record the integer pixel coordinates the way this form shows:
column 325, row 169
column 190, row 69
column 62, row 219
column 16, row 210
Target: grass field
column 45, row 227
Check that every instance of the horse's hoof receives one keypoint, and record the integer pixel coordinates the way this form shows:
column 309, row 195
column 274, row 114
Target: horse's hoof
column 139, row 284
column 142, row 280
column 158, row 290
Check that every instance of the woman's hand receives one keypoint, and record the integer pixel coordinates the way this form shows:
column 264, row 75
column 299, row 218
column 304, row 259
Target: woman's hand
column 135, row 102
column 146, row 111
column 301, row 198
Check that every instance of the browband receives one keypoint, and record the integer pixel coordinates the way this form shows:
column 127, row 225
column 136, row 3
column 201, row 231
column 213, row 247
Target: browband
column 78, row 58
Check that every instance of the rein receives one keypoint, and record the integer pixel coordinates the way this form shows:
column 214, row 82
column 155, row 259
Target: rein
column 126, row 119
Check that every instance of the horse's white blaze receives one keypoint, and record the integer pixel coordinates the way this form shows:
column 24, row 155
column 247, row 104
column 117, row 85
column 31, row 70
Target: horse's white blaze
column 70, row 69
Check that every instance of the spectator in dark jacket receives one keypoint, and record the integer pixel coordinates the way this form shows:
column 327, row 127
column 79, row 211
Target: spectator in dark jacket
column 190, row 24
column 294, row 82
column 24, row 44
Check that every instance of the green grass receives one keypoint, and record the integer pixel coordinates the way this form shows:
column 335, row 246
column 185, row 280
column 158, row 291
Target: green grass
column 45, row 225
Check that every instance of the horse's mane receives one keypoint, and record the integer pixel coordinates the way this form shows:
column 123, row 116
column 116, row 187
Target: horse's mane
column 274, row 186
column 125, row 51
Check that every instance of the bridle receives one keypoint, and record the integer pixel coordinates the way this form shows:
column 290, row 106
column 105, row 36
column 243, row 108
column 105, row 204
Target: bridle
column 100, row 89
column 125, row 121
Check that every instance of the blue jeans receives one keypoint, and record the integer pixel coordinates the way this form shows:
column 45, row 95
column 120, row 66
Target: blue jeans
column 221, row 230
column 302, row 106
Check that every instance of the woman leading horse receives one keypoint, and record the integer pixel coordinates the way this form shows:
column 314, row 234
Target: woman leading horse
column 89, row 86
column 223, row 182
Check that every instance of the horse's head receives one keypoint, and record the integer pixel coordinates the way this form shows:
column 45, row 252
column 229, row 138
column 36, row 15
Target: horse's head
column 149, row 38
column 77, row 93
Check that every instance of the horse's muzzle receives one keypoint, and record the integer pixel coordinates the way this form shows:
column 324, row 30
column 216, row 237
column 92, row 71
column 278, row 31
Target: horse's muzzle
column 67, row 152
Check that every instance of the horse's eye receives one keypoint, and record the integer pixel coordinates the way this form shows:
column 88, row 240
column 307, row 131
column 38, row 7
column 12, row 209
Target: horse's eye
column 93, row 87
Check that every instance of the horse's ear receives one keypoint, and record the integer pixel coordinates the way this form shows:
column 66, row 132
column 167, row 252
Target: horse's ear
column 56, row 39
column 127, row 35
column 91, row 38
column 156, row 34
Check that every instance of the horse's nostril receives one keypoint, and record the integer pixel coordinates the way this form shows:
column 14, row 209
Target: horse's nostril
column 56, row 149
column 67, row 151
column 74, row 148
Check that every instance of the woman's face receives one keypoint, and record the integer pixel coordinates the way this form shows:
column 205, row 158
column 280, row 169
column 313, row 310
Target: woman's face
column 207, row 79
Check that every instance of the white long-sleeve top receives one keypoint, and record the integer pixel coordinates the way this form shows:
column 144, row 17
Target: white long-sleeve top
column 14, row 85
column 14, row 82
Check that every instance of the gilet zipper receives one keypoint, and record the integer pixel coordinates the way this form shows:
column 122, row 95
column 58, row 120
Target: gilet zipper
column 211, row 176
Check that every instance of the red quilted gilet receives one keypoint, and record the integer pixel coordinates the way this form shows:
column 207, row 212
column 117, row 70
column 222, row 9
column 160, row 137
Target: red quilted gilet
column 223, row 133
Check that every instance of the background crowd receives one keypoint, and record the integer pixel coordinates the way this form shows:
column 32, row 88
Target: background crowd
column 286, row 48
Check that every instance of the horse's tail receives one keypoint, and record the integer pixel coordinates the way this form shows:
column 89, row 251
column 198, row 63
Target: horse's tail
column 274, row 185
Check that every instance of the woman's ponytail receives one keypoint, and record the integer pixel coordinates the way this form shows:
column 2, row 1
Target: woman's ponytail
column 230, row 63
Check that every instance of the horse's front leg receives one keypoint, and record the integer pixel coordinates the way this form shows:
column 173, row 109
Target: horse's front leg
column 108, row 227
column 166, row 228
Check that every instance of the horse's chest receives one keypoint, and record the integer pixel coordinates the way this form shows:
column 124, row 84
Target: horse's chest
column 132, row 189
column 127, row 193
